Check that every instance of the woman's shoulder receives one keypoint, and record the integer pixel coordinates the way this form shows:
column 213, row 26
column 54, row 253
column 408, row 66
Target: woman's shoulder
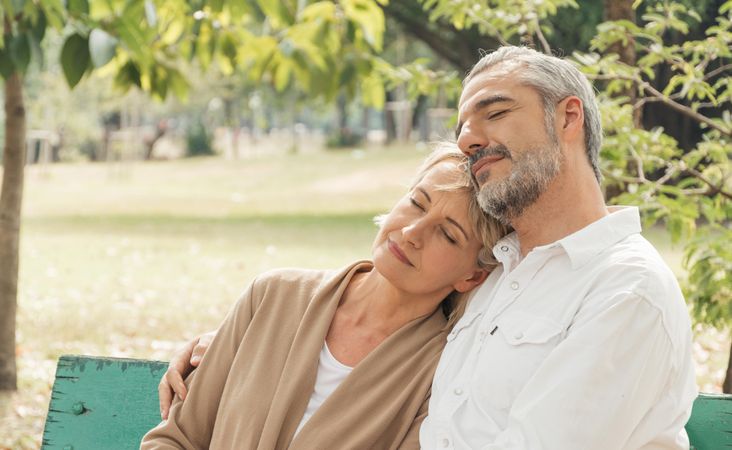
column 300, row 279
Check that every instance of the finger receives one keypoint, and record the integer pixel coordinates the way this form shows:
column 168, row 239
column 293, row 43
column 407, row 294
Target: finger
column 197, row 354
column 176, row 383
column 165, row 395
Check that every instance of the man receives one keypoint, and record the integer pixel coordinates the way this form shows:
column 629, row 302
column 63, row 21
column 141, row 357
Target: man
column 580, row 339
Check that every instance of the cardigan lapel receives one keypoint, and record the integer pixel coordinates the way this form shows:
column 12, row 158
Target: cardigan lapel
column 392, row 372
column 298, row 376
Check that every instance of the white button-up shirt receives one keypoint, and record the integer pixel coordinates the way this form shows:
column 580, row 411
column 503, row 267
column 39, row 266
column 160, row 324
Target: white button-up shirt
column 584, row 344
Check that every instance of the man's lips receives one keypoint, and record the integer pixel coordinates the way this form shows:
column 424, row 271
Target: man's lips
column 396, row 251
column 483, row 162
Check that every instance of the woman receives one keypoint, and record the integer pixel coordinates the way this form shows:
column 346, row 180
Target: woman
column 343, row 359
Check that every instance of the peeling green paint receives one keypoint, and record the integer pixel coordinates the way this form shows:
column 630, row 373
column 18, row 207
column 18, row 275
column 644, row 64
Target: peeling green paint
column 110, row 407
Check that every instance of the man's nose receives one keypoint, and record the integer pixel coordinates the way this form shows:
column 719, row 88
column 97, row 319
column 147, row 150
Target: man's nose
column 470, row 140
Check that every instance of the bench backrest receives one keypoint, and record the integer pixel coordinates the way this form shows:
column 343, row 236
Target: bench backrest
column 110, row 403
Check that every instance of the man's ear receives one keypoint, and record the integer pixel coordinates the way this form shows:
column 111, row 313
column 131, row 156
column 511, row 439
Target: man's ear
column 570, row 118
column 466, row 284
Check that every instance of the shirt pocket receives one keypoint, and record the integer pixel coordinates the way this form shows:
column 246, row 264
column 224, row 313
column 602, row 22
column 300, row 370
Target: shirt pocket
column 511, row 355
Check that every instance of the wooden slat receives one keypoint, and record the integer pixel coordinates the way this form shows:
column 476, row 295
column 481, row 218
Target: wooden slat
column 102, row 403
column 710, row 425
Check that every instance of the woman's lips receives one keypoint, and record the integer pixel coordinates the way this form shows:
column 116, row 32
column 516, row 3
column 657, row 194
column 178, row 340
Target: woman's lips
column 396, row 251
column 485, row 162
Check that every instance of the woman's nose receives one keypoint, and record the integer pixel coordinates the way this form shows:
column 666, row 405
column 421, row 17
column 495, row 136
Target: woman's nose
column 413, row 234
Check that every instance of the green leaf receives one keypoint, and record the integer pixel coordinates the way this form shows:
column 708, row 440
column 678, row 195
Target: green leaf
column 6, row 63
column 20, row 52
column 178, row 84
column 102, row 47
column 216, row 5
column 128, row 76
column 55, row 13
column 131, row 35
column 78, row 6
column 75, row 58
column 277, row 12
column 38, row 29
column 282, row 75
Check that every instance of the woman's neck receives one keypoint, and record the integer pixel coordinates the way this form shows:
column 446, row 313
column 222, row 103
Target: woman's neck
column 371, row 301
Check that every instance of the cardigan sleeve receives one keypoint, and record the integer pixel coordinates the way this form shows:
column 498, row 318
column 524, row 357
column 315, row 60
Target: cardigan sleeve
column 190, row 422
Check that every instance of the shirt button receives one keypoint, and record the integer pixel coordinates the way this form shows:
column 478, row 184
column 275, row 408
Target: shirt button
column 458, row 391
column 514, row 285
column 445, row 442
column 504, row 248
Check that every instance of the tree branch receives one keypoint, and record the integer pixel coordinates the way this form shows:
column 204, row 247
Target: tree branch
column 717, row 71
column 542, row 39
column 683, row 109
column 713, row 189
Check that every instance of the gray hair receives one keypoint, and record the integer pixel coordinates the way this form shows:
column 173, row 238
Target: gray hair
column 554, row 79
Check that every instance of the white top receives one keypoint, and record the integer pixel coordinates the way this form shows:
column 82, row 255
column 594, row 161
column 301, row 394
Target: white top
column 331, row 373
column 583, row 344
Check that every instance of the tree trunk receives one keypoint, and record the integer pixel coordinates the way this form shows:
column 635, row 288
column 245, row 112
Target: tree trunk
column 623, row 10
column 10, row 201
column 160, row 130
column 727, row 386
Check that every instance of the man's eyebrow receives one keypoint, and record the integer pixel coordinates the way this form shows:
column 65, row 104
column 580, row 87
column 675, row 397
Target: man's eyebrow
column 429, row 199
column 455, row 222
column 482, row 104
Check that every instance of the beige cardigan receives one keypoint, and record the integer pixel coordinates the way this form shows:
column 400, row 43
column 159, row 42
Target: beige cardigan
column 255, row 381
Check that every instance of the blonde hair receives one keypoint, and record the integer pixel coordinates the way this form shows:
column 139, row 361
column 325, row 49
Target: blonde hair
column 486, row 228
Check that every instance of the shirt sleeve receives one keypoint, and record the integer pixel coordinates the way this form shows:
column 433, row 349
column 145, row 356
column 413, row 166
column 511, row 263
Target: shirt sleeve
column 597, row 385
column 190, row 422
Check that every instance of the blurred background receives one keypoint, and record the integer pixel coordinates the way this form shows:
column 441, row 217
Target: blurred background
column 159, row 154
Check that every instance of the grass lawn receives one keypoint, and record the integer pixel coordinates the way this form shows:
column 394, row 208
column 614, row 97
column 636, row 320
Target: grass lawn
column 130, row 259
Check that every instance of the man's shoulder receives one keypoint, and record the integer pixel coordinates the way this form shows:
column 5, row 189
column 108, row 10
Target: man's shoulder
column 633, row 270
column 638, row 267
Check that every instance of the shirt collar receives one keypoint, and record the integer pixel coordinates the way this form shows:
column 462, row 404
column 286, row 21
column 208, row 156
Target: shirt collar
column 583, row 245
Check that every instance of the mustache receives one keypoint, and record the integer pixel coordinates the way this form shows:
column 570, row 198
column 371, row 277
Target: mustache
column 496, row 150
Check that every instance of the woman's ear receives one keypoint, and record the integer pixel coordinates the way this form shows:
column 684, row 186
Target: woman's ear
column 466, row 284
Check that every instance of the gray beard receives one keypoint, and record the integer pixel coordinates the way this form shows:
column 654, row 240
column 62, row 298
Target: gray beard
column 530, row 176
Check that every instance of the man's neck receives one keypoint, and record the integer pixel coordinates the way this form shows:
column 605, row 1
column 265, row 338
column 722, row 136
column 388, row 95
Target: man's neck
column 567, row 206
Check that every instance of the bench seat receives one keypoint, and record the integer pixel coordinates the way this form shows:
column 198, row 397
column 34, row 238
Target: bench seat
column 110, row 403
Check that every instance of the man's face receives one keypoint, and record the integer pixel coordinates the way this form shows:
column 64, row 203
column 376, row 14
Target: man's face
column 513, row 156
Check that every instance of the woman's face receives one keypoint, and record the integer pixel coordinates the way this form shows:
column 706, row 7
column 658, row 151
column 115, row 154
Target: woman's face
column 426, row 244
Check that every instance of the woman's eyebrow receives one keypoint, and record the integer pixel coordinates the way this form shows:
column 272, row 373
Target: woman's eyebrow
column 455, row 222
column 429, row 199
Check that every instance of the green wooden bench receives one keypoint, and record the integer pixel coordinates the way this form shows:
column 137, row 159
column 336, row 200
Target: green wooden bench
column 110, row 403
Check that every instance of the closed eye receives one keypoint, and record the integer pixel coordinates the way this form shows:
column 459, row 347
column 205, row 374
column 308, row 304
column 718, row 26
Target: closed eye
column 416, row 204
column 497, row 115
column 448, row 236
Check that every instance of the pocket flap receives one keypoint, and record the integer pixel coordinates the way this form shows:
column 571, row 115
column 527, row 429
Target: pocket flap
column 465, row 322
column 520, row 327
